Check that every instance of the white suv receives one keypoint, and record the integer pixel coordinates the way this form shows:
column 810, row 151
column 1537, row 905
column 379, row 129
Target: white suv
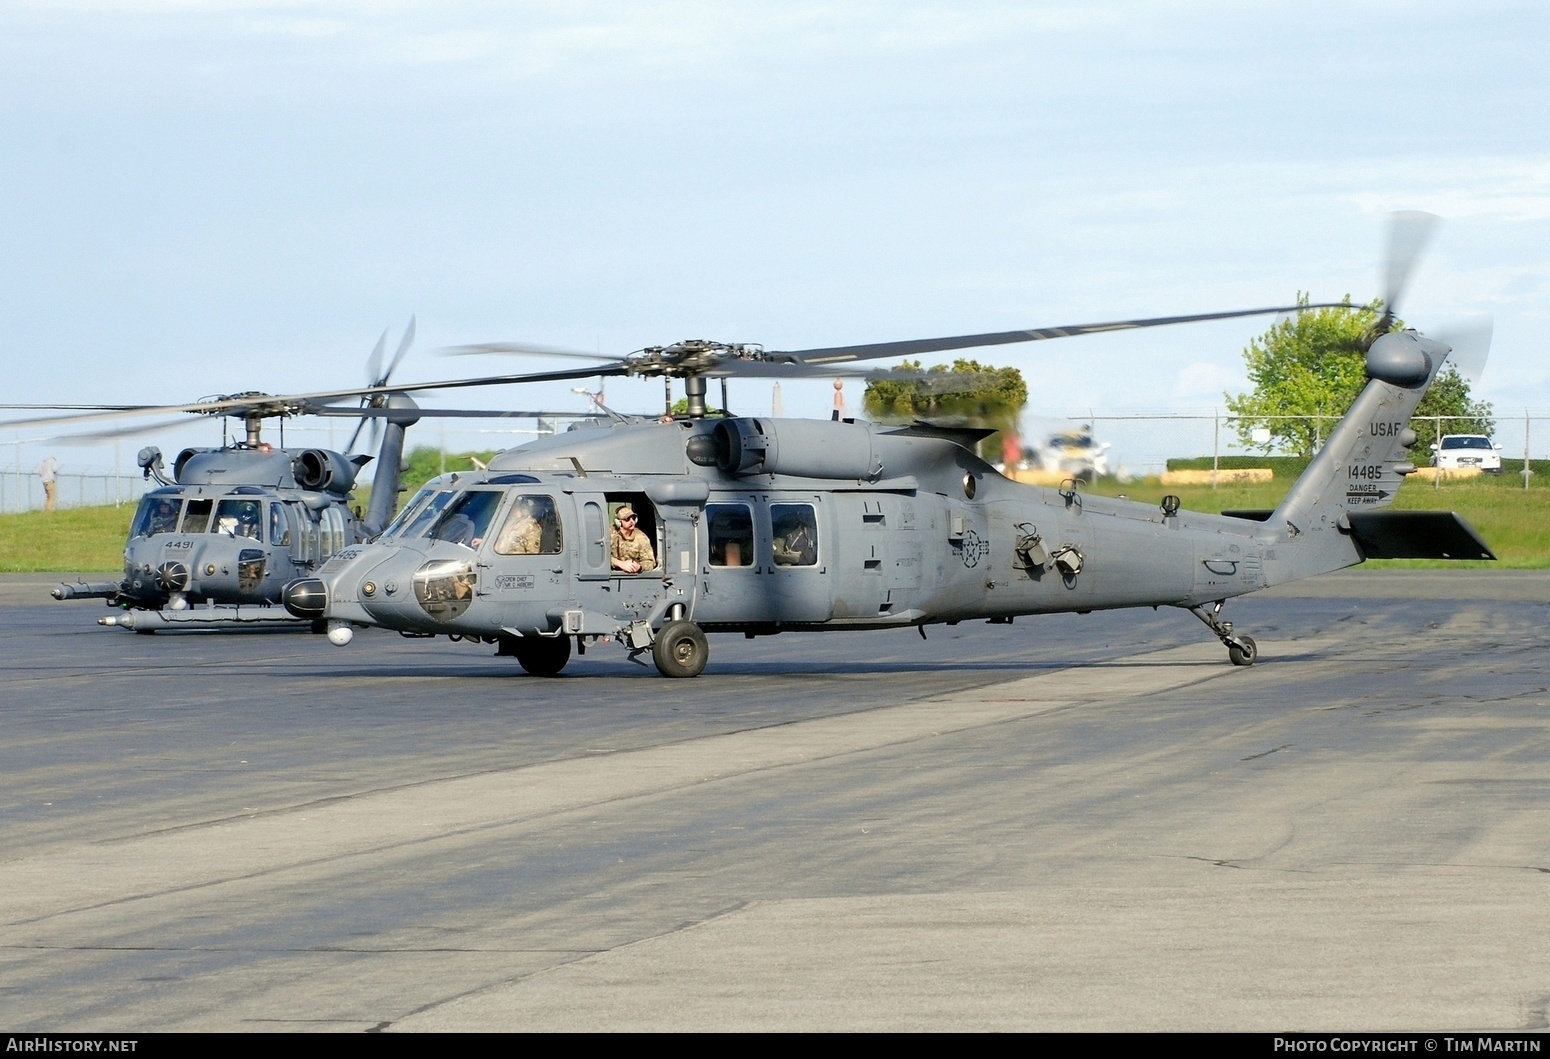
column 1460, row 451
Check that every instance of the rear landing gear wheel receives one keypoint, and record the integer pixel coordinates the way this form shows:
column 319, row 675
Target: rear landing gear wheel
column 680, row 650
column 542, row 656
column 1244, row 652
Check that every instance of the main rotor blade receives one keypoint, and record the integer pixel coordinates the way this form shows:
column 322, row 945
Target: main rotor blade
column 450, row 413
column 755, row 369
column 734, row 368
column 90, row 407
column 913, row 347
column 124, row 432
column 302, row 399
column 398, row 357
column 1409, row 232
column 1471, row 346
column 525, row 349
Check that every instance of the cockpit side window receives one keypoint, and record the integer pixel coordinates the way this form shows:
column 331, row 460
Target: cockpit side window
column 157, row 514
column 467, row 519
column 239, row 518
column 532, row 528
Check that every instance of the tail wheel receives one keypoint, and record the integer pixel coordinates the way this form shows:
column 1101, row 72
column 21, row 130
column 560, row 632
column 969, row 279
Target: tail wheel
column 680, row 650
column 542, row 656
column 1244, row 652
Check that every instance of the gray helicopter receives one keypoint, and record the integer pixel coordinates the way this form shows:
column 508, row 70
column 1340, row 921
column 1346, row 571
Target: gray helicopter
column 229, row 527
column 652, row 534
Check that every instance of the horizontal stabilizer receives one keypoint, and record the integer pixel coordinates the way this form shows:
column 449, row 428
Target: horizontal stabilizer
column 1416, row 535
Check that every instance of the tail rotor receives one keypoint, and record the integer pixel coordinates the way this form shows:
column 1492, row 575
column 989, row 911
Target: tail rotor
column 377, row 377
column 1409, row 233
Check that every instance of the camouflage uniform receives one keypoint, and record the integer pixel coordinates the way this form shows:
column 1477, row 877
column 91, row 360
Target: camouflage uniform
column 636, row 546
column 522, row 536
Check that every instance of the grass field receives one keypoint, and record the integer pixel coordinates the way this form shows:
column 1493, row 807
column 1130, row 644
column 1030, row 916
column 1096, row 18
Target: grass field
column 1515, row 522
column 78, row 538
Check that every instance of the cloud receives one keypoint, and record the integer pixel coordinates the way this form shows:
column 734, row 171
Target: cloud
column 1205, row 379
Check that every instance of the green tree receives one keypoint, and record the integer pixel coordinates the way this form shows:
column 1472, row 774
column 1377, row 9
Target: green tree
column 1312, row 364
column 424, row 462
column 681, row 408
column 967, row 391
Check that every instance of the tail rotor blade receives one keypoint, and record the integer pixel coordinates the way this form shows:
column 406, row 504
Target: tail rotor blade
column 1409, row 232
column 403, row 348
column 1471, row 346
column 354, row 436
column 374, row 362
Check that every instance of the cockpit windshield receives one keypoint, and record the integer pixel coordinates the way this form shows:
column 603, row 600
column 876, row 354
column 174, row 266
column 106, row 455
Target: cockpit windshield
column 420, row 513
column 466, row 520
column 239, row 518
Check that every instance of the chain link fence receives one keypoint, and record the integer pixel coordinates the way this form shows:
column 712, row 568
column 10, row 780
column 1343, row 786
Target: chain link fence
column 24, row 492
column 1143, row 444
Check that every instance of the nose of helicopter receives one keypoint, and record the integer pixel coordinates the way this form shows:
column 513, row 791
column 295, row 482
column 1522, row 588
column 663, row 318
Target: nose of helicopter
column 366, row 585
column 306, row 597
column 172, row 576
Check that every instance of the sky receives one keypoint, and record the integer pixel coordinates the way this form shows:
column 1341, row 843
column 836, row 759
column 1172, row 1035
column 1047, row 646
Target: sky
column 202, row 197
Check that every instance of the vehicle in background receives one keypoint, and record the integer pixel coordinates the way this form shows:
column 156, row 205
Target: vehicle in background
column 1467, row 452
column 1070, row 453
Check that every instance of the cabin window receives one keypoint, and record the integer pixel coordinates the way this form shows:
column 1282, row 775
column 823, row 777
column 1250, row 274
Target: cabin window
column 197, row 518
column 597, row 536
column 532, row 528
column 731, row 534
column 279, row 526
column 239, row 518
column 467, row 519
column 330, row 531
column 794, row 534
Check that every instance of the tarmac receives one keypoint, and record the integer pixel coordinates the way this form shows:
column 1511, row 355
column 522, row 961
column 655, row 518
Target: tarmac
column 1073, row 823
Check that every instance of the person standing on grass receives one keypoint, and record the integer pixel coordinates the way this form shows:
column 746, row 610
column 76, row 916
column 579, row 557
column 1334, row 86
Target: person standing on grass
column 48, row 470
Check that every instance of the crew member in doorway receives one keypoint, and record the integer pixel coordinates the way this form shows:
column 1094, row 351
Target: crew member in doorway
column 630, row 549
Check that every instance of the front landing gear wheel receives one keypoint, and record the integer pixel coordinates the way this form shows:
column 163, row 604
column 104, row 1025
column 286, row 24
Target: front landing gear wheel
column 542, row 656
column 1244, row 652
column 680, row 650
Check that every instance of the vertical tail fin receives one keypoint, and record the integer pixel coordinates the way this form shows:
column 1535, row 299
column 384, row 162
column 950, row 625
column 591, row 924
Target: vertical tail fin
column 384, row 487
column 1361, row 466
